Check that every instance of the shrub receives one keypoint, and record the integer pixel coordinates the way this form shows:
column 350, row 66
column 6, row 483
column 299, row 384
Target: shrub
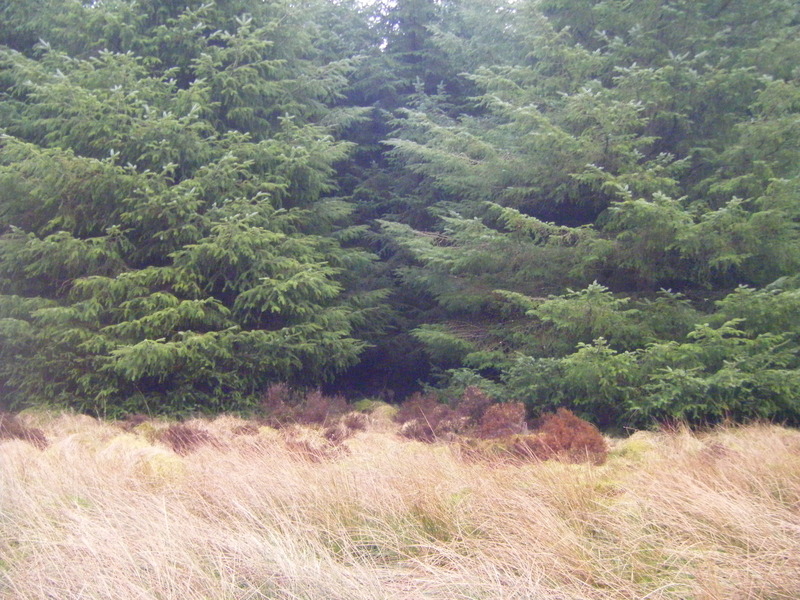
column 419, row 406
column 319, row 409
column 561, row 436
column 12, row 428
column 418, row 430
column 246, row 429
column 277, row 405
column 355, row 421
column 309, row 445
column 565, row 436
column 424, row 418
column 132, row 421
column 346, row 427
column 502, row 420
column 337, row 433
column 473, row 404
column 275, row 395
column 281, row 405
column 184, row 439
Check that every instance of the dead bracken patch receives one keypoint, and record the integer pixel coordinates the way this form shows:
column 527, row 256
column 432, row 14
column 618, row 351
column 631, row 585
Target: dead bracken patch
column 184, row 439
column 564, row 436
column 561, row 436
column 502, row 420
column 132, row 421
column 282, row 405
column 473, row 404
column 569, row 435
column 309, row 445
column 422, row 417
column 12, row 428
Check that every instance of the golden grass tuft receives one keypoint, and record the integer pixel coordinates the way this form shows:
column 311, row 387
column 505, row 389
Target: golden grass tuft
column 102, row 513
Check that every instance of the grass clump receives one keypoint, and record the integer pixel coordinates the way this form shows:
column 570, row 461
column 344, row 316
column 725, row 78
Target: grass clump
column 114, row 515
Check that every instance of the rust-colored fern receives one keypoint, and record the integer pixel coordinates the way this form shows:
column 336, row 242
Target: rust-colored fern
column 501, row 420
column 12, row 428
column 424, row 418
column 184, row 439
column 566, row 436
column 473, row 404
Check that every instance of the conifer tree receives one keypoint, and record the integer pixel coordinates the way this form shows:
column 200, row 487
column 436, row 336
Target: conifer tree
column 642, row 147
column 169, row 237
column 586, row 203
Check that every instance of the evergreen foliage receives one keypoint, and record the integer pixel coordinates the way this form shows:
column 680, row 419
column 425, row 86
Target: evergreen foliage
column 170, row 243
column 643, row 147
column 567, row 203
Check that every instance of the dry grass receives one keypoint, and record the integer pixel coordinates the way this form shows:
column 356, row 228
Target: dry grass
column 101, row 513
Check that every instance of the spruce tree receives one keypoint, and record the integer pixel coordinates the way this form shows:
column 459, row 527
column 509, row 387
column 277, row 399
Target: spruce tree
column 170, row 238
column 641, row 147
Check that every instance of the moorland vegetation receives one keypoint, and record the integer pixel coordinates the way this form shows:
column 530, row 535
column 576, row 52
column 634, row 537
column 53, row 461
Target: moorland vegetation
column 230, row 509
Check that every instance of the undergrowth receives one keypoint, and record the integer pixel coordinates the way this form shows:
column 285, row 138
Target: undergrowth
column 491, row 430
column 12, row 428
column 234, row 509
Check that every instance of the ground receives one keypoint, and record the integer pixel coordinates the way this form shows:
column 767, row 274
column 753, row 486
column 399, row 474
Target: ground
column 114, row 511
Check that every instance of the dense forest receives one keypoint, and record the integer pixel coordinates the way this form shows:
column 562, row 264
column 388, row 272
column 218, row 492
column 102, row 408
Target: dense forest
column 590, row 204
